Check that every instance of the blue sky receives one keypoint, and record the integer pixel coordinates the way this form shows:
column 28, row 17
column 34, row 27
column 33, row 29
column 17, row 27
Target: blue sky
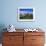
column 26, row 11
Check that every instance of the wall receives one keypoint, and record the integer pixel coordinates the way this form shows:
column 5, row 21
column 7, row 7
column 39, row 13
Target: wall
column 9, row 13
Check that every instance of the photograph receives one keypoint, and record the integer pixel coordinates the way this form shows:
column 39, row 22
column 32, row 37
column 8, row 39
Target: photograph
column 26, row 14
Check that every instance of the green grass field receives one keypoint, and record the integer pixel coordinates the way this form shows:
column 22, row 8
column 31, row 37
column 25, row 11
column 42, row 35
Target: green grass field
column 26, row 16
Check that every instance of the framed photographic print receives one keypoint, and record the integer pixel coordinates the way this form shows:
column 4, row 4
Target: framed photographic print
column 26, row 14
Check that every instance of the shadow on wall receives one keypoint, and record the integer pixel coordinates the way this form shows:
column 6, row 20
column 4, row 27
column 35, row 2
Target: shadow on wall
column 2, row 26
